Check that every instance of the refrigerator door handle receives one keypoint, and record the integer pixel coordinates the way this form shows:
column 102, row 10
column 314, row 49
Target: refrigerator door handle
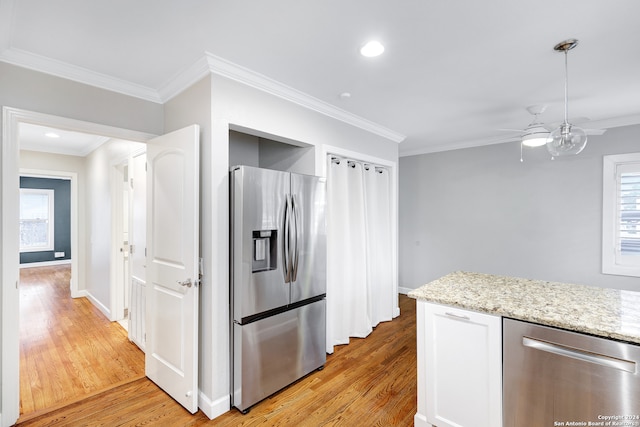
column 286, row 265
column 296, row 250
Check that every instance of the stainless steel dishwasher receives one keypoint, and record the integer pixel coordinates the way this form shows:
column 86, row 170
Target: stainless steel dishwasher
column 553, row 377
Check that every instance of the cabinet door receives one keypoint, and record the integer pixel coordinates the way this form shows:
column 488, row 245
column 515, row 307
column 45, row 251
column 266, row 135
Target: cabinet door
column 463, row 367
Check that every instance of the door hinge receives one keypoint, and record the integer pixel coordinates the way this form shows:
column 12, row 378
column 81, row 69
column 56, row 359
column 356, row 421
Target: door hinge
column 200, row 271
column 145, row 252
column 131, row 182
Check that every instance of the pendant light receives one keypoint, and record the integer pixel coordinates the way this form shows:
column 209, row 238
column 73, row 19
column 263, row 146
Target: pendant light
column 566, row 139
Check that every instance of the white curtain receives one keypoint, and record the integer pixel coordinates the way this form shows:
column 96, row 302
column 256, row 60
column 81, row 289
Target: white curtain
column 359, row 255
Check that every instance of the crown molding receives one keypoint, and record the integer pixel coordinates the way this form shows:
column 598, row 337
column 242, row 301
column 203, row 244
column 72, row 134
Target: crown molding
column 57, row 68
column 209, row 63
column 228, row 69
column 438, row 148
column 184, row 79
column 599, row 128
column 614, row 122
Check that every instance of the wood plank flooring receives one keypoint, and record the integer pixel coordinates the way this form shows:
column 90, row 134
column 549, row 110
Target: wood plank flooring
column 68, row 349
column 370, row 382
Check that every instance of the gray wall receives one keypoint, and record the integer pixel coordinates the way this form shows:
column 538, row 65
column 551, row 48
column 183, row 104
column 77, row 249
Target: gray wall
column 245, row 149
column 61, row 217
column 481, row 209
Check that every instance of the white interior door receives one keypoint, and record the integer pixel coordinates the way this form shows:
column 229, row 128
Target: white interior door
column 172, row 264
column 138, row 244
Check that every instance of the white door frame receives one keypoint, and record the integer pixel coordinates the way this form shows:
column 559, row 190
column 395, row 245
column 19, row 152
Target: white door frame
column 117, row 227
column 321, row 168
column 10, row 358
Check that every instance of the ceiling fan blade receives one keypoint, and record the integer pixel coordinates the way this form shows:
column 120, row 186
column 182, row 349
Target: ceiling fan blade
column 515, row 138
column 510, row 130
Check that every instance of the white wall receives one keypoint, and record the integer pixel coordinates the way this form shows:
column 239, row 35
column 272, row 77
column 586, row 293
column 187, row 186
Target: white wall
column 234, row 105
column 98, row 206
column 480, row 209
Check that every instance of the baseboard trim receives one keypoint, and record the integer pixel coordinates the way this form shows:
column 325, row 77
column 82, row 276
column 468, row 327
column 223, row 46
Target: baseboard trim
column 103, row 308
column 213, row 409
column 80, row 294
column 45, row 263
column 419, row 420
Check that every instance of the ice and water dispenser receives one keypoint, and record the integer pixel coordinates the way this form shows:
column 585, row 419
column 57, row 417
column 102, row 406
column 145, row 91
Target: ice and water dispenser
column 265, row 252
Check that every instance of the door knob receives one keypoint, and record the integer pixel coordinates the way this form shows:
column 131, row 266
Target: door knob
column 186, row 283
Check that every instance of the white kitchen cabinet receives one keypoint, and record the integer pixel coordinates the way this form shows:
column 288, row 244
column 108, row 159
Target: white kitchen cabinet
column 459, row 367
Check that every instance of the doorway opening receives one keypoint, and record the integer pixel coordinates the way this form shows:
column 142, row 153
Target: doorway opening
column 65, row 280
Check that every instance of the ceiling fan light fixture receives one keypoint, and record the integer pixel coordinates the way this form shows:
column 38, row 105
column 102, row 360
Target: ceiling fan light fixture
column 535, row 135
column 567, row 139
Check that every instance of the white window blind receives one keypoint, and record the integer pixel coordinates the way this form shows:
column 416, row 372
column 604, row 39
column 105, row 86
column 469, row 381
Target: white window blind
column 36, row 220
column 621, row 215
column 629, row 211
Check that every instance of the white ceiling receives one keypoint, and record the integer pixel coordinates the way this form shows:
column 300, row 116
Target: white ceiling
column 452, row 75
column 35, row 138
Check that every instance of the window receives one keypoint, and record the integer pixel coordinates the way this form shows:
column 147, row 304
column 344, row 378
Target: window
column 36, row 220
column 621, row 215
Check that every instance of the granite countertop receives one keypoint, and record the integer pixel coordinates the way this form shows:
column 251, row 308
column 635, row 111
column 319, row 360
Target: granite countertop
column 608, row 313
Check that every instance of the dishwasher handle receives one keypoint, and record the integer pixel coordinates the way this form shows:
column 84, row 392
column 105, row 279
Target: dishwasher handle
column 562, row 350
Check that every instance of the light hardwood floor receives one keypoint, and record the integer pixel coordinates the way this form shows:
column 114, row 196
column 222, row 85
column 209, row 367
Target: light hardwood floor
column 370, row 382
column 68, row 349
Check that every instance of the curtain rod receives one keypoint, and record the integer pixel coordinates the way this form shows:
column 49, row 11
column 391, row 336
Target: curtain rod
column 336, row 160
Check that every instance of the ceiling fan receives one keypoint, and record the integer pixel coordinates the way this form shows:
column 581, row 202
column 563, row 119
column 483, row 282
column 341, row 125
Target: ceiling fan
column 537, row 133
column 565, row 139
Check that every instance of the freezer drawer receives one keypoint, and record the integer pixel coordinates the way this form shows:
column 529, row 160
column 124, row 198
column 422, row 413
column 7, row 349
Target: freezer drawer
column 271, row 353
column 553, row 377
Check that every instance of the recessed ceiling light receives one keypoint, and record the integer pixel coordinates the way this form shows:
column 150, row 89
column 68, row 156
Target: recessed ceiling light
column 372, row 48
column 52, row 135
column 345, row 95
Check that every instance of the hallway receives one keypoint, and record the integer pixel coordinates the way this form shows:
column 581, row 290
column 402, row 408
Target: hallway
column 69, row 351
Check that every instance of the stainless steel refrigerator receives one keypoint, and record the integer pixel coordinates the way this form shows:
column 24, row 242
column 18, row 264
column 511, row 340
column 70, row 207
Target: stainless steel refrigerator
column 278, row 281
